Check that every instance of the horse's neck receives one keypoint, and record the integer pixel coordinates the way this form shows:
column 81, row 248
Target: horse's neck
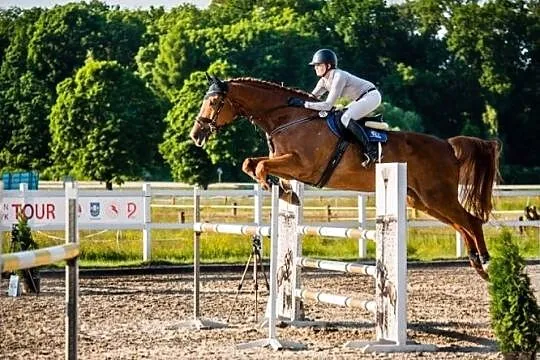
column 266, row 107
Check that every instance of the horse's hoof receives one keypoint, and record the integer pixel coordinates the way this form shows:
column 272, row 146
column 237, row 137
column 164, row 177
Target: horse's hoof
column 295, row 200
column 481, row 270
column 289, row 196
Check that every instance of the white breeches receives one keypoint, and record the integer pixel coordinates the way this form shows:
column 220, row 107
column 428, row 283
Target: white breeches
column 361, row 107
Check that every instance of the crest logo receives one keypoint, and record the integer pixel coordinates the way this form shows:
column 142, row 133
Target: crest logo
column 94, row 209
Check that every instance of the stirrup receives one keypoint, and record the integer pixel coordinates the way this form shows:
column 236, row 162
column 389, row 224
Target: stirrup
column 368, row 161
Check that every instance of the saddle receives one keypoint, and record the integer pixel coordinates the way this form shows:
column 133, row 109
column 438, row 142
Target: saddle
column 374, row 126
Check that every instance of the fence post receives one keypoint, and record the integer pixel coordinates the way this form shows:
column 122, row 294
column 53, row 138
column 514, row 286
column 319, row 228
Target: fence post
column 23, row 188
column 362, row 242
column 72, row 274
column 147, row 227
column 328, row 213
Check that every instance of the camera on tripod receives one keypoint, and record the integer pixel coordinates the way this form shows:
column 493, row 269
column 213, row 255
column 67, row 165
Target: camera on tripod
column 256, row 243
column 256, row 257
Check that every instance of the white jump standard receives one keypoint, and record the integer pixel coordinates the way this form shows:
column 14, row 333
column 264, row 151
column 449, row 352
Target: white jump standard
column 389, row 306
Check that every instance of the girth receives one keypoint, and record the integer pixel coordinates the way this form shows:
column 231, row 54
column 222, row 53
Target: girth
column 339, row 150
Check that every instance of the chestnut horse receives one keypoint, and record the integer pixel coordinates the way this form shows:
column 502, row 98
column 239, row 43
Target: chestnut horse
column 302, row 145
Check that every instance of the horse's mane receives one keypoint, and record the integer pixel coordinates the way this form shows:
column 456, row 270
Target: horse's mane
column 271, row 85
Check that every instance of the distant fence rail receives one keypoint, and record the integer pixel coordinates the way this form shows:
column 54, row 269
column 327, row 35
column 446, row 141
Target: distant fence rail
column 131, row 207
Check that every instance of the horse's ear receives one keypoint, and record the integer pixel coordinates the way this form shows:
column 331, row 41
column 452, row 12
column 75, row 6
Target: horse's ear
column 222, row 84
column 208, row 78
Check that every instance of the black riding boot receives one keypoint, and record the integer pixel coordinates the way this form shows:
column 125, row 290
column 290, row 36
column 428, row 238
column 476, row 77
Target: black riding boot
column 371, row 150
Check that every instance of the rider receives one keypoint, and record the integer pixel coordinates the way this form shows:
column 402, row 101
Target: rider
column 362, row 94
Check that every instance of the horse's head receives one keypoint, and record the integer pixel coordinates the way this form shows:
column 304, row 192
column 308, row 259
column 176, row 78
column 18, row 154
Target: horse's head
column 216, row 111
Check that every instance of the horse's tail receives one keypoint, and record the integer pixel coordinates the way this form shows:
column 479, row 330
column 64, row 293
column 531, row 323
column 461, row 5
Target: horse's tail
column 478, row 169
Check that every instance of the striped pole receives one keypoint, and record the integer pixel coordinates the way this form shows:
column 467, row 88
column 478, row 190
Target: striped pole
column 34, row 258
column 348, row 233
column 339, row 300
column 232, row 229
column 339, row 266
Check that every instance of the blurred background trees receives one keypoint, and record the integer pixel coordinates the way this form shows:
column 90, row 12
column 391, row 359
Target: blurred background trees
column 98, row 92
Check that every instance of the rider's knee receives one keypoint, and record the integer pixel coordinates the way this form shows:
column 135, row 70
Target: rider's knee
column 346, row 118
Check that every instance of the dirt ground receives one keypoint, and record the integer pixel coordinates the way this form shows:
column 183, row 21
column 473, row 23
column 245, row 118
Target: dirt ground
column 139, row 317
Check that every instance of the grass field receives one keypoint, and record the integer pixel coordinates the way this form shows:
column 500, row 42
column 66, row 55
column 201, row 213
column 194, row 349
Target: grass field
column 124, row 248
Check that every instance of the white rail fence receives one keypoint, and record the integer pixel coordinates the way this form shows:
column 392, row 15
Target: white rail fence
column 131, row 208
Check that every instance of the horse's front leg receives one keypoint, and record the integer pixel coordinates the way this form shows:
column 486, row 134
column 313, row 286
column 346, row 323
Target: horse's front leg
column 249, row 166
column 283, row 166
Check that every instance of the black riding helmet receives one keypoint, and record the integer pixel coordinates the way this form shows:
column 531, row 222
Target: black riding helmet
column 324, row 56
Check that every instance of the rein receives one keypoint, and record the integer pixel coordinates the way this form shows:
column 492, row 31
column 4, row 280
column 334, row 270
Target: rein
column 284, row 127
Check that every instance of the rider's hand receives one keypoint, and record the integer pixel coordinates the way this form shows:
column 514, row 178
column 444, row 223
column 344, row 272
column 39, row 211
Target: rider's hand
column 296, row 102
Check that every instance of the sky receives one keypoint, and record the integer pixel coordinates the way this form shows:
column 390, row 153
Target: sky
column 131, row 4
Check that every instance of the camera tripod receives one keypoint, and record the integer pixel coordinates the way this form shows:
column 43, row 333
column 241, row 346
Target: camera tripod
column 257, row 261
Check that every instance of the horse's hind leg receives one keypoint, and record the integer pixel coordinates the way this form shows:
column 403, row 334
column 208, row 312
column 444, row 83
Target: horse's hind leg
column 452, row 213
column 415, row 202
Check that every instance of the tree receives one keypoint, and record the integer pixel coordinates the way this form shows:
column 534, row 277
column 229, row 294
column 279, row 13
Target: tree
column 7, row 27
column 181, row 52
column 105, row 124
column 187, row 163
column 24, row 101
column 26, row 145
column 402, row 120
column 63, row 38
column 498, row 39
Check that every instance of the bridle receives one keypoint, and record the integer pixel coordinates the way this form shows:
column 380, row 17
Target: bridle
column 210, row 124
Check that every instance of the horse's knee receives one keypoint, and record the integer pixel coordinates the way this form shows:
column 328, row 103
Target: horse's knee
column 247, row 166
column 260, row 171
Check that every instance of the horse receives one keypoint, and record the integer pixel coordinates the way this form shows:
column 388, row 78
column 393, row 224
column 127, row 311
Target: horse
column 302, row 147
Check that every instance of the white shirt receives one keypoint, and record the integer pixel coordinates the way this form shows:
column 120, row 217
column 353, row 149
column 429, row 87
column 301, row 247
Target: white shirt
column 338, row 83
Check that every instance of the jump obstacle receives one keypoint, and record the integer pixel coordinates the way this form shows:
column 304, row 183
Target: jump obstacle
column 69, row 252
column 390, row 272
column 389, row 306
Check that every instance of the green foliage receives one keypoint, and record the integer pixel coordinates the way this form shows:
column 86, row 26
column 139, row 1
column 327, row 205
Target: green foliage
column 515, row 174
column 26, row 132
column 498, row 40
column 105, row 125
column 181, row 51
column 191, row 164
column 400, row 119
column 21, row 236
column 463, row 67
column 515, row 315
column 24, row 101
column 22, row 240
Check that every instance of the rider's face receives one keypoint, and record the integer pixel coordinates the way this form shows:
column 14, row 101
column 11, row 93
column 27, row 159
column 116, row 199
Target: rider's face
column 320, row 69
